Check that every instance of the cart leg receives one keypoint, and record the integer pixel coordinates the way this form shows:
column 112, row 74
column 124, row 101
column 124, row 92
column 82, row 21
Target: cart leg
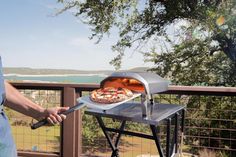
column 182, row 132
column 122, row 127
column 115, row 151
column 157, row 140
column 168, row 137
column 99, row 119
column 176, row 131
column 174, row 141
column 174, row 145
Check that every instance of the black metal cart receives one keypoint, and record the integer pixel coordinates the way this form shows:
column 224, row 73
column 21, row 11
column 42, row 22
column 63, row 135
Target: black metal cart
column 161, row 114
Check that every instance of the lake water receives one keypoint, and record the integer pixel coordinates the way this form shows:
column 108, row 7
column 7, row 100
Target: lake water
column 93, row 78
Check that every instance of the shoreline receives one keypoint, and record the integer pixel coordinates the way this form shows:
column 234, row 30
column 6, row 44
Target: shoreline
column 52, row 75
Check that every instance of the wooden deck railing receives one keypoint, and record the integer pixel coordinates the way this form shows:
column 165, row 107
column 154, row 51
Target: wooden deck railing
column 71, row 135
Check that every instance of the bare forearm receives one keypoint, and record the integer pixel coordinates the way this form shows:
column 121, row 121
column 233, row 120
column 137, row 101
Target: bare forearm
column 16, row 101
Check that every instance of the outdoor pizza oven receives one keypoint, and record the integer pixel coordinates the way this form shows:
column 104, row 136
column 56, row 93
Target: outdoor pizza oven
column 145, row 83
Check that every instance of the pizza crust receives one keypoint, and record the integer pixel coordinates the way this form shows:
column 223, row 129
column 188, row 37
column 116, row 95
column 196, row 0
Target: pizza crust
column 109, row 95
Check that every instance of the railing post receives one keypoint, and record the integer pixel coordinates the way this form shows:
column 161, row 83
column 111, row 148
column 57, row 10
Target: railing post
column 71, row 129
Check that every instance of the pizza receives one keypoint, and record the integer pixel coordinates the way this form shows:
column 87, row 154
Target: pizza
column 109, row 95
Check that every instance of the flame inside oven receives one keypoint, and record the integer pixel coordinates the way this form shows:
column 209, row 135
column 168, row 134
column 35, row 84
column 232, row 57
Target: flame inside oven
column 129, row 83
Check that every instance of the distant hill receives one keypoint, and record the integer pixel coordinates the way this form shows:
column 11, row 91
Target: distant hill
column 32, row 71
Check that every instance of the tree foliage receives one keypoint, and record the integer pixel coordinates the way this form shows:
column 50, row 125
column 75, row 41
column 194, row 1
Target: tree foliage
column 197, row 56
column 206, row 55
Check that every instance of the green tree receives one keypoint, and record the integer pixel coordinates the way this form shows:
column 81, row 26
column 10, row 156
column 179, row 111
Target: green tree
column 206, row 53
column 139, row 21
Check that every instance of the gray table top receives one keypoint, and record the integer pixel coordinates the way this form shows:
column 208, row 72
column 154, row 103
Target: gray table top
column 133, row 112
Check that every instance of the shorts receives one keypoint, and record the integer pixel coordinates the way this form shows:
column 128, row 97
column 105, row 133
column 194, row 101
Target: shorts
column 7, row 144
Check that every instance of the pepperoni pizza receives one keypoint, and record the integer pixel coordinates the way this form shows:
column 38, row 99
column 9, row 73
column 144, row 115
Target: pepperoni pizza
column 109, row 95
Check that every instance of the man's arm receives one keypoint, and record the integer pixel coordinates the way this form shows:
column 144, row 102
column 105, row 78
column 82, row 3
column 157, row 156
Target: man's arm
column 18, row 102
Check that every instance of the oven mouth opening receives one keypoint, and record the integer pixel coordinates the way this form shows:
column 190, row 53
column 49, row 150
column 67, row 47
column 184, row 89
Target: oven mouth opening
column 124, row 82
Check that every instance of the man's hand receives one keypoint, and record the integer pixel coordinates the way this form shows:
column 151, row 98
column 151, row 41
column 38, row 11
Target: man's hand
column 53, row 115
column 18, row 102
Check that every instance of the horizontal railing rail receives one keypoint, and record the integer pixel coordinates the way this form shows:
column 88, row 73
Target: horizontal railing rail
column 188, row 90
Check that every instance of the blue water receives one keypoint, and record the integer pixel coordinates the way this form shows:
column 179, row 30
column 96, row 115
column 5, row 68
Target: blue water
column 63, row 79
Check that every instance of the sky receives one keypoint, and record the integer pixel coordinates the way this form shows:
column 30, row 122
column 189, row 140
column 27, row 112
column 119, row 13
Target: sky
column 31, row 36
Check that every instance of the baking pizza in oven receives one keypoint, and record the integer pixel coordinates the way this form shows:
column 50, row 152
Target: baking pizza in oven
column 109, row 95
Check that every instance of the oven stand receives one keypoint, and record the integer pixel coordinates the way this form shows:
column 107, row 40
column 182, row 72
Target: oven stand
column 171, row 144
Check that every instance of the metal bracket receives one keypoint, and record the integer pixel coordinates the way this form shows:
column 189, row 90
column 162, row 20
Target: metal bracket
column 144, row 105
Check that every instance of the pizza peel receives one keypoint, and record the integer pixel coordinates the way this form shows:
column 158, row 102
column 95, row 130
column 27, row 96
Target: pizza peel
column 82, row 102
